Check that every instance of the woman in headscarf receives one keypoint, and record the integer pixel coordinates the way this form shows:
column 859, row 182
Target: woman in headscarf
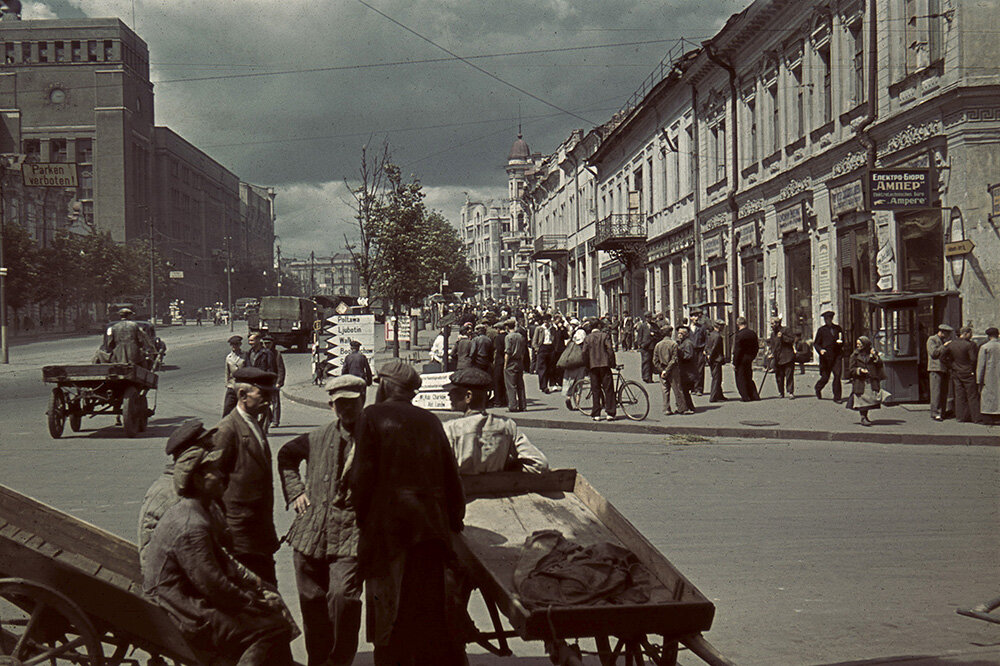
column 865, row 371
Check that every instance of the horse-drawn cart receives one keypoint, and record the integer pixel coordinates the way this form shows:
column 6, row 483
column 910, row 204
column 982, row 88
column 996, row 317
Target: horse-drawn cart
column 504, row 509
column 87, row 390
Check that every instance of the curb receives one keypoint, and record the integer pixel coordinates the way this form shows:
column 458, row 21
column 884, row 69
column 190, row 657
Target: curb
column 747, row 432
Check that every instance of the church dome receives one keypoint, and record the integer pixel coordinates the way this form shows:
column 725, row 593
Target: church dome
column 519, row 151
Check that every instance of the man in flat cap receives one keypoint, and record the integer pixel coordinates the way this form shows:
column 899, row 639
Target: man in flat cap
column 781, row 352
column 187, row 573
column 483, row 442
column 409, row 501
column 699, row 338
column 356, row 363
column 715, row 355
column 829, row 344
column 245, row 458
column 127, row 343
column 235, row 360
column 324, row 534
column 938, row 374
column 515, row 360
column 960, row 357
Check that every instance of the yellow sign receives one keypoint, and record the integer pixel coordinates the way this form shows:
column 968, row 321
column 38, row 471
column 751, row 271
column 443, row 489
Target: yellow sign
column 49, row 175
column 958, row 248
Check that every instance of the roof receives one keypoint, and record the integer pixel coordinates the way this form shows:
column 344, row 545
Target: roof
column 519, row 151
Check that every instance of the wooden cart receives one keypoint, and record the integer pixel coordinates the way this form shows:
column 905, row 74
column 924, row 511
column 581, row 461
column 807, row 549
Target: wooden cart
column 503, row 509
column 71, row 593
column 87, row 390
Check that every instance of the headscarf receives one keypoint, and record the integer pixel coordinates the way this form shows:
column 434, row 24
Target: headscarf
column 866, row 344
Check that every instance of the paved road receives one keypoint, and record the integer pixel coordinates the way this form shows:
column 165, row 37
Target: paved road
column 814, row 553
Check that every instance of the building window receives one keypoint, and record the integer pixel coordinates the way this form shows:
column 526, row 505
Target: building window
column 76, row 53
column 43, row 51
column 750, row 112
column 32, row 150
column 857, row 43
column 772, row 98
column 719, row 283
column 718, row 137
column 826, row 89
column 57, row 150
column 85, row 167
column 60, row 51
column 25, row 51
column 9, row 52
column 108, row 50
column 798, row 95
column 92, row 51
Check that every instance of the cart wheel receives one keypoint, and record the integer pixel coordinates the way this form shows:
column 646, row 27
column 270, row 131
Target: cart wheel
column 144, row 413
column 132, row 411
column 38, row 624
column 57, row 413
column 75, row 422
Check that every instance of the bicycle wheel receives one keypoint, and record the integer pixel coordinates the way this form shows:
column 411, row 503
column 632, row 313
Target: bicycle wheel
column 580, row 396
column 633, row 400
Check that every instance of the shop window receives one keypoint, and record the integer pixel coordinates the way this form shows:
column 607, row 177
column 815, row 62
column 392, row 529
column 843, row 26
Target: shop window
column 798, row 286
column 922, row 245
column 753, row 292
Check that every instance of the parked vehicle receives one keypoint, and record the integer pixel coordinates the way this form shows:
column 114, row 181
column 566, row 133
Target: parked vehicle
column 287, row 319
column 243, row 306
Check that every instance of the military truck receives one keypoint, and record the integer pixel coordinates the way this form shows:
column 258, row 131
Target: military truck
column 290, row 320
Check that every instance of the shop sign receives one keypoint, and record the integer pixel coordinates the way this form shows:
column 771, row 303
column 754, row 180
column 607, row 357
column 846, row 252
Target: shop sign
column 899, row 189
column 847, row 198
column 712, row 247
column 790, row 219
column 49, row 175
column 747, row 235
column 995, row 197
column 611, row 272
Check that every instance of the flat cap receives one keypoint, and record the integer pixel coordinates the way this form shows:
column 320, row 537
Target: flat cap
column 472, row 378
column 946, row 328
column 827, row 313
column 695, row 312
column 345, row 386
column 256, row 377
column 233, row 339
column 125, row 311
column 188, row 463
column 188, row 434
column 400, row 372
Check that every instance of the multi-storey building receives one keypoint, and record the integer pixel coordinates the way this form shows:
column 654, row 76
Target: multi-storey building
column 327, row 276
column 78, row 91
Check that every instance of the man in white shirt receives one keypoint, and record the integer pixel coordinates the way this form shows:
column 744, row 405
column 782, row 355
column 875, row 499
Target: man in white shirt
column 439, row 347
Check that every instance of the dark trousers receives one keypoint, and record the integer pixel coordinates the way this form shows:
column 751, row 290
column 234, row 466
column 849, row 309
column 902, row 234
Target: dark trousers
column 421, row 633
column 262, row 565
column 939, row 383
column 966, row 398
column 514, row 380
column 784, row 376
column 499, row 384
column 602, row 390
column 276, row 407
column 229, row 403
column 744, row 382
column 646, row 364
column 716, row 368
column 330, row 599
column 544, row 366
column 699, row 378
column 830, row 363
column 688, row 377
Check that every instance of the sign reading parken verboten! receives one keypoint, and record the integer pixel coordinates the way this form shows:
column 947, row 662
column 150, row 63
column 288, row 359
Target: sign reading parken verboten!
column 49, row 175
column 895, row 189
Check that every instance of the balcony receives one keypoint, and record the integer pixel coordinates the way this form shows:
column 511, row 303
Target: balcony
column 550, row 246
column 619, row 231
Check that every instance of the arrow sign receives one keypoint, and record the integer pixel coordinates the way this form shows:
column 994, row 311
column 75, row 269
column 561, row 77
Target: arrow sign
column 958, row 248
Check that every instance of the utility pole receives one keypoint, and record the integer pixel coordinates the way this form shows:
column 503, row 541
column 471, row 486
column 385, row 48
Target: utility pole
column 3, row 277
column 229, row 281
column 312, row 276
column 277, row 251
column 152, row 292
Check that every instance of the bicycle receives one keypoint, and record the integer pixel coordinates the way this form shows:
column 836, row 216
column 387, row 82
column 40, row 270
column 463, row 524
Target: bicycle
column 630, row 396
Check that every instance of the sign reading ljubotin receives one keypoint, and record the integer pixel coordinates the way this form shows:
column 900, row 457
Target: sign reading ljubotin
column 899, row 189
column 49, row 175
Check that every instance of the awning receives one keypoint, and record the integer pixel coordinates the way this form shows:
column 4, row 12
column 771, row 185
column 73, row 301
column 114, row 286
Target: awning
column 883, row 298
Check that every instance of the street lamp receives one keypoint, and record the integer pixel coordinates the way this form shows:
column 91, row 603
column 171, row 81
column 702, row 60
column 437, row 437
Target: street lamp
column 229, row 282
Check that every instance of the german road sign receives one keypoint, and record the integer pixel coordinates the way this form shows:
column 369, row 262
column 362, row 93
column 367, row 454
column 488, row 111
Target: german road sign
column 958, row 248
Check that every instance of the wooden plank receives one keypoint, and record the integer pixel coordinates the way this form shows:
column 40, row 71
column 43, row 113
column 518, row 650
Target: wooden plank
column 115, row 579
column 512, row 483
column 87, row 566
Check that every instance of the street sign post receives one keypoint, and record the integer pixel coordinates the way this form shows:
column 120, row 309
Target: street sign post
column 176, row 275
column 55, row 174
column 958, row 248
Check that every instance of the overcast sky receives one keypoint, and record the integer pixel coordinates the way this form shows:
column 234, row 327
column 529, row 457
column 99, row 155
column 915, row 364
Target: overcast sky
column 447, row 123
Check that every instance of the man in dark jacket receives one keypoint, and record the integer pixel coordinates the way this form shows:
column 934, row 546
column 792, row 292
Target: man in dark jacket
column 409, row 501
column 829, row 344
column 278, row 368
column 461, row 355
column 716, row 356
column 127, row 343
column 514, row 362
column 699, row 338
column 599, row 357
column 482, row 350
column 687, row 367
column 745, row 348
column 324, row 534
column 499, row 384
column 781, row 350
column 960, row 356
column 356, row 363
column 644, row 341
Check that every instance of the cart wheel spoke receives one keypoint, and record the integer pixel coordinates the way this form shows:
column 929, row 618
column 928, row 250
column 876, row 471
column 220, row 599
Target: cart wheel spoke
column 56, row 651
column 24, row 640
column 49, row 627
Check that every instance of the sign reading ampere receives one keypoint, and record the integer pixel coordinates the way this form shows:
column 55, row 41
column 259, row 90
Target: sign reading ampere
column 896, row 189
column 49, row 175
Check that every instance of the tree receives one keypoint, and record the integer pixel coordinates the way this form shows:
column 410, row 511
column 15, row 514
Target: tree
column 21, row 257
column 446, row 252
column 369, row 203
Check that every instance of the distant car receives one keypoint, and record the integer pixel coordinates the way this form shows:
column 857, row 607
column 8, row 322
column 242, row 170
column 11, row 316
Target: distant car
column 244, row 305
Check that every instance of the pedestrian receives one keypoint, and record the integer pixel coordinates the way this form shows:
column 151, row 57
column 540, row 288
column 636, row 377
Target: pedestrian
column 665, row 363
column 127, row 343
column 461, row 356
column 483, row 442
column 937, row 370
column 356, row 364
column 439, row 349
column 699, row 338
column 499, row 398
column 644, row 341
column 627, row 333
column 559, row 338
column 988, row 377
column 781, row 351
column 324, row 533
column 687, row 369
column 260, row 357
column 574, row 369
column 409, row 503
column 866, row 374
column 198, row 316
column 246, row 461
column 481, row 353
column 715, row 355
column 218, row 610
column 829, row 342
column 803, row 352
column 745, row 348
column 235, row 359
column 541, row 342
column 599, row 355
column 514, row 363
column 278, row 368
column 960, row 356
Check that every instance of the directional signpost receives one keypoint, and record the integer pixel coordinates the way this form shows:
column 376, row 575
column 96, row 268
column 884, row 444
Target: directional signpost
column 958, row 248
column 336, row 336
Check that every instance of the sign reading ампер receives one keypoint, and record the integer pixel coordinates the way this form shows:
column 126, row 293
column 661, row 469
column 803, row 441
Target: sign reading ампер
column 49, row 175
column 893, row 189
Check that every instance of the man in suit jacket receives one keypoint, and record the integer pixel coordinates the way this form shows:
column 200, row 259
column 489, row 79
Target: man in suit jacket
column 745, row 348
column 246, row 460
column 716, row 356
column 937, row 370
column 961, row 356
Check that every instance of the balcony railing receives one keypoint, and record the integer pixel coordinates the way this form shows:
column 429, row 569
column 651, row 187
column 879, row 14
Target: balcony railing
column 619, row 229
column 550, row 246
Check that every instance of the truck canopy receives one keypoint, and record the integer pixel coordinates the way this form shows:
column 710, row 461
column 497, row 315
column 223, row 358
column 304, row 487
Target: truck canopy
column 285, row 307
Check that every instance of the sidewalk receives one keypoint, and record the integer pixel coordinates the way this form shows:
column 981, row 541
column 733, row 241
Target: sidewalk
column 804, row 417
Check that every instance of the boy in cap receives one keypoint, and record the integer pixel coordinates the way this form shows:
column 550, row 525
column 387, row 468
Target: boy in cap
column 188, row 574
column 324, row 534
column 483, row 442
column 938, row 372
column 409, row 502
column 235, row 360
